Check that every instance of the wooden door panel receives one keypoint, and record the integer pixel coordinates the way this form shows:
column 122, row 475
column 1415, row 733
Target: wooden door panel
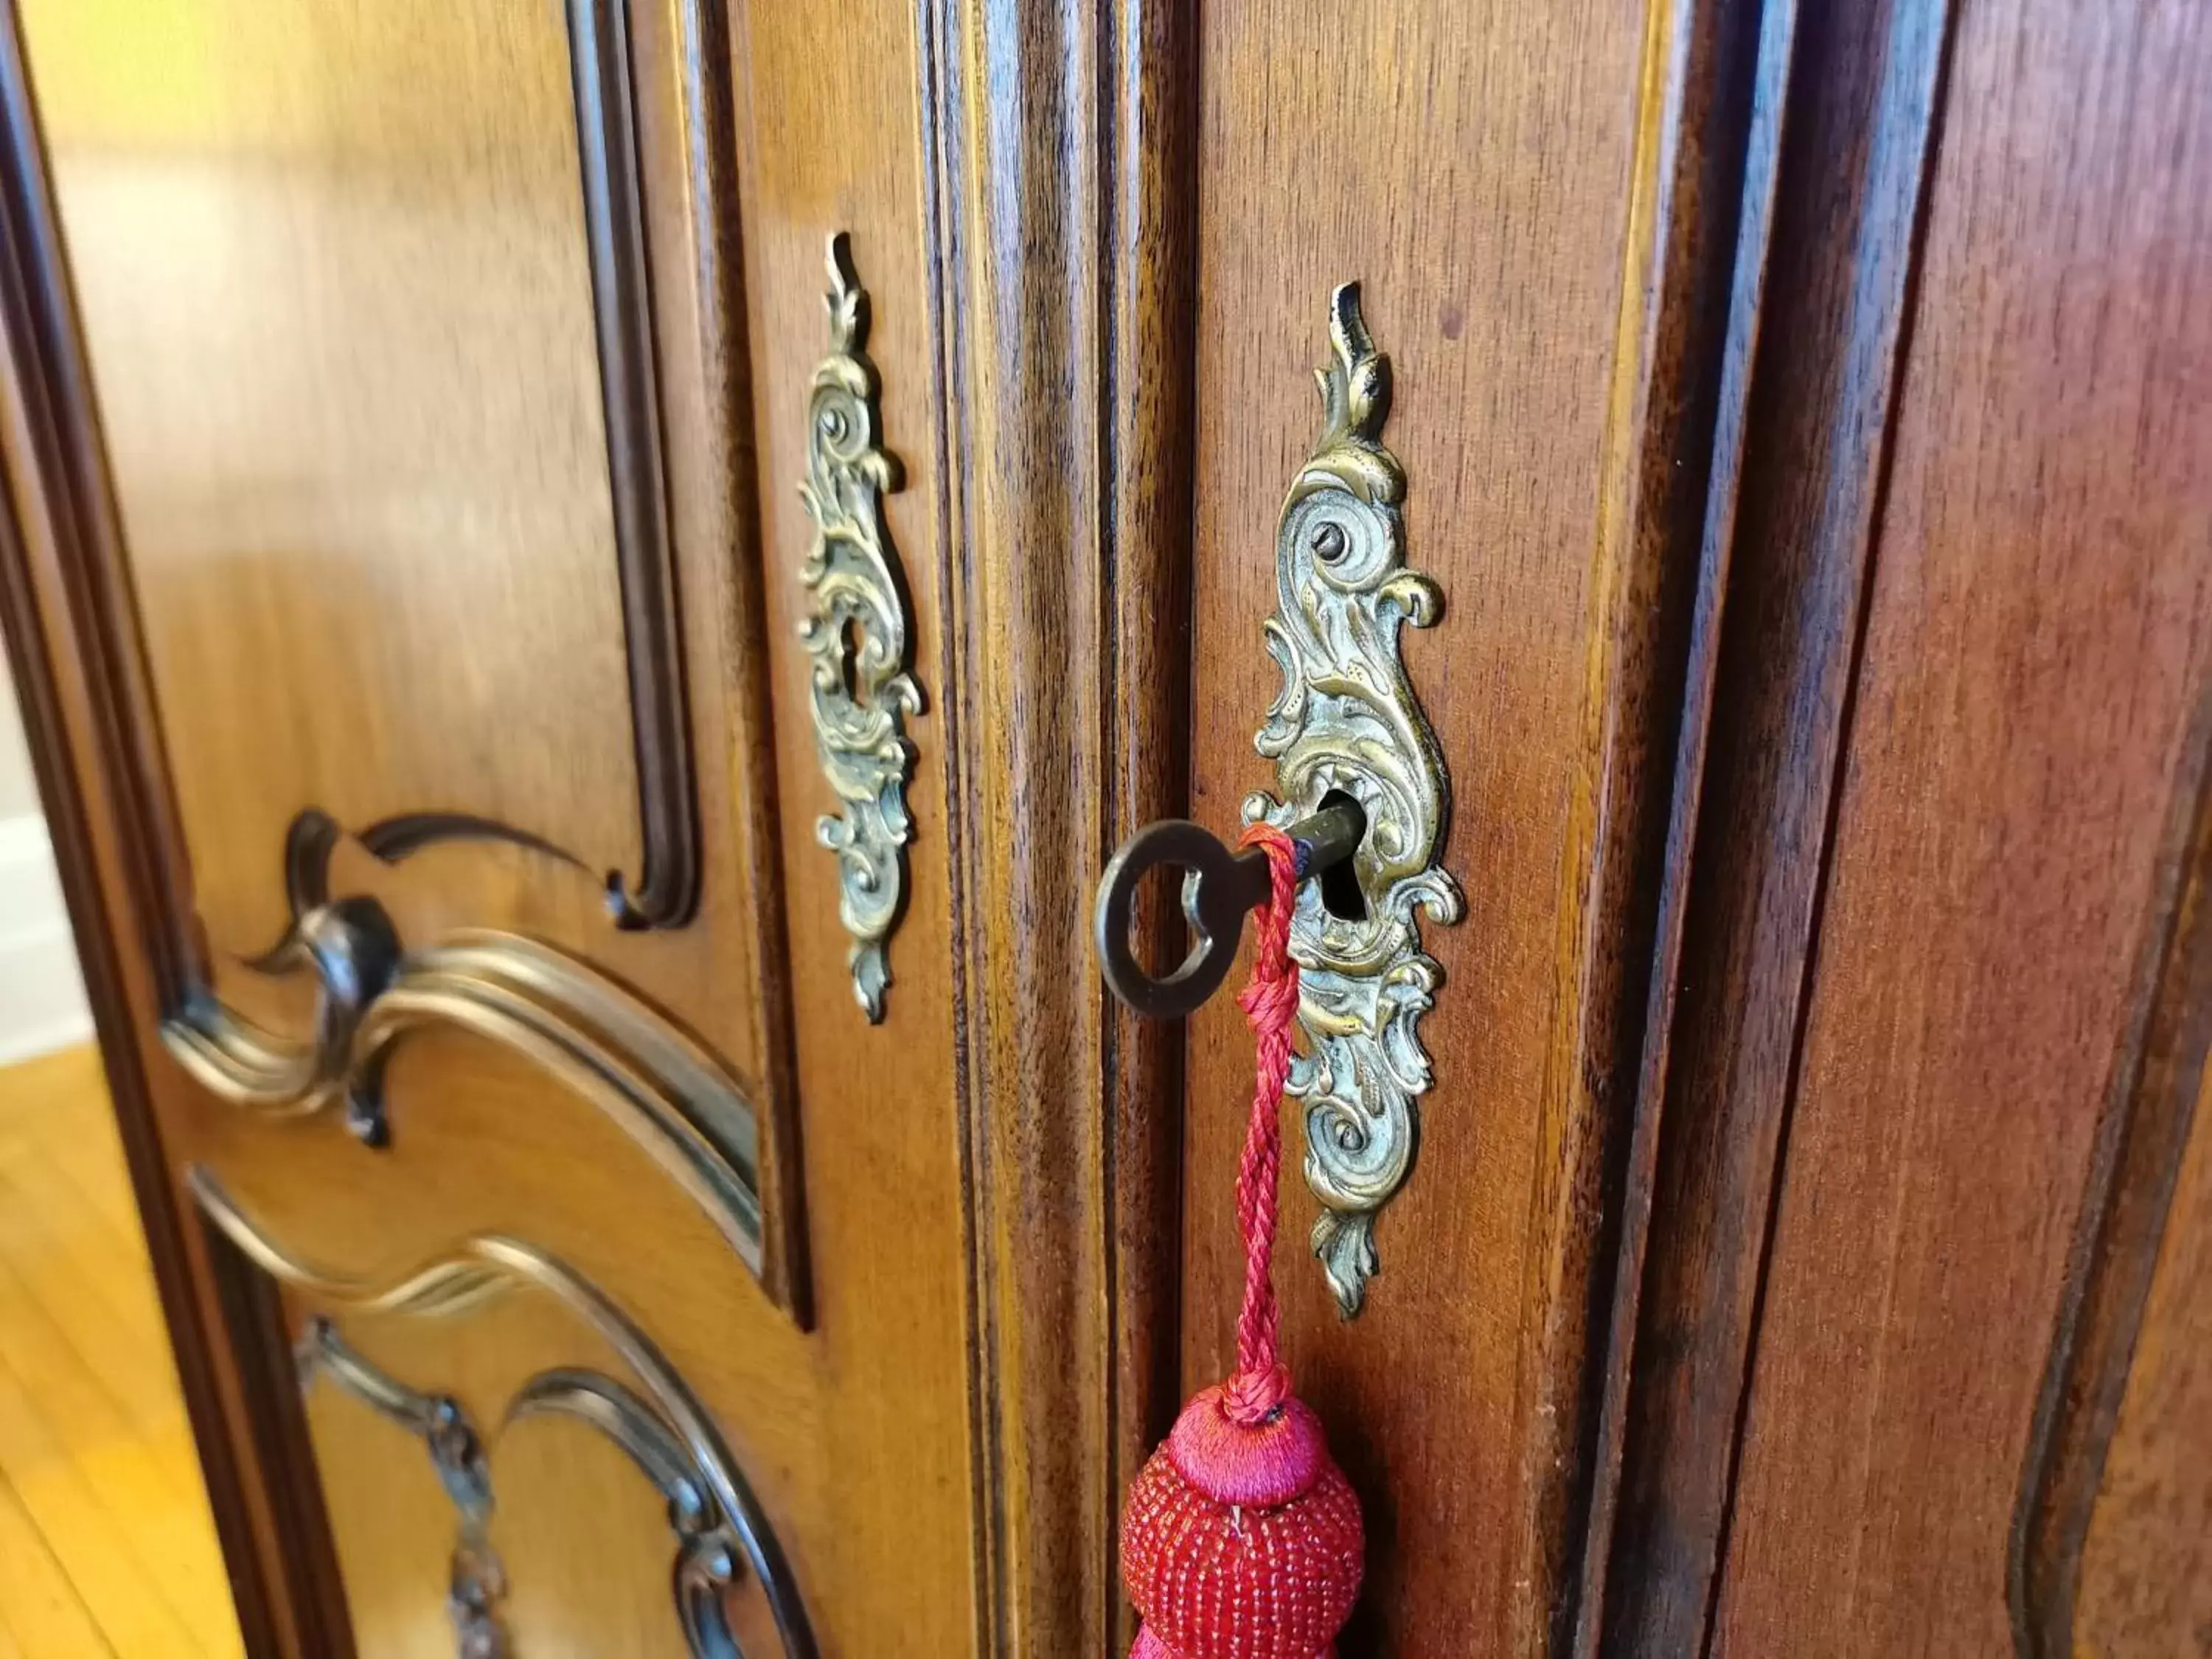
column 520, row 1102
column 457, row 1404
column 428, row 372
column 597, row 1469
column 606, row 1586
column 587, row 1190
column 397, row 673
column 2021, row 743
column 1517, row 191
column 459, row 1269
column 830, row 130
column 334, row 278
column 386, row 737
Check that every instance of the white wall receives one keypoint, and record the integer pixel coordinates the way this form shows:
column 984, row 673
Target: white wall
column 42, row 1003
column 19, row 792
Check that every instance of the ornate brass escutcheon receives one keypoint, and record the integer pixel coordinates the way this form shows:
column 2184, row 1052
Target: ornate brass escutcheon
column 1360, row 790
column 857, row 637
column 1346, row 723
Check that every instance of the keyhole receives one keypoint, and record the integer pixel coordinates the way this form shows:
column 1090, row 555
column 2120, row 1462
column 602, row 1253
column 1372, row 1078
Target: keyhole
column 849, row 640
column 1339, row 882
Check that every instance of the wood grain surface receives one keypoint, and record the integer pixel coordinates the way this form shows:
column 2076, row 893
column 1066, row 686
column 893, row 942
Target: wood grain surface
column 1845, row 101
column 885, row 1179
column 1804, row 412
column 2033, row 662
column 1062, row 221
column 336, row 292
column 1537, row 204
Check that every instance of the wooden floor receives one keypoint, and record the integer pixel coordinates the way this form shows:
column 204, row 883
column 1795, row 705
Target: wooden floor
column 106, row 1543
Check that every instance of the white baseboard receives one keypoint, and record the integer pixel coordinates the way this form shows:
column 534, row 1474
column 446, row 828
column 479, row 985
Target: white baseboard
column 42, row 1003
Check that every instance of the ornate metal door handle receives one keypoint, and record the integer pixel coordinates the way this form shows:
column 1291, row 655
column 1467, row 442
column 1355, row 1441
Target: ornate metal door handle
column 1345, row 731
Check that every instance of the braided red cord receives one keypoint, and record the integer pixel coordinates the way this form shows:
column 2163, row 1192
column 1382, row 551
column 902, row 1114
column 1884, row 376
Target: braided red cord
column 1270, row 1002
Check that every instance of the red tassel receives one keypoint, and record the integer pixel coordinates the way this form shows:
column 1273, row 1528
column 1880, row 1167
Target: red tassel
column 1240, row 1539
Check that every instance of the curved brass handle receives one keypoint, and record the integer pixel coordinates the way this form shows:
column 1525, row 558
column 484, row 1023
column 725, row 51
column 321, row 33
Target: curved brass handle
column 1219, row 888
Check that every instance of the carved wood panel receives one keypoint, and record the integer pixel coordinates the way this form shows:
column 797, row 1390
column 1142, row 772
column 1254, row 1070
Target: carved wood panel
column 734, row 1590
column 337, row 284
column 369, row 756
column 681, row 1033
column 920, row 1171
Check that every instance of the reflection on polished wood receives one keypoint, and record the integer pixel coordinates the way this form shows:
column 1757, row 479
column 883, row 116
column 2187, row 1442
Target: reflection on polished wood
column 106, row 1542
column 334, row 279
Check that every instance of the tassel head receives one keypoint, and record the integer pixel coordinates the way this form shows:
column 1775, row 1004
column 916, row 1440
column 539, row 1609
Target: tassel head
column 1241, row 1541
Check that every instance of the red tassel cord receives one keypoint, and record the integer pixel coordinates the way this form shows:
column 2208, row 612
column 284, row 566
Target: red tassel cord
column 1240, row 1539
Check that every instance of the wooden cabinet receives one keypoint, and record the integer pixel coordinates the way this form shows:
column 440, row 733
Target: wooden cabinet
column 1804, row 416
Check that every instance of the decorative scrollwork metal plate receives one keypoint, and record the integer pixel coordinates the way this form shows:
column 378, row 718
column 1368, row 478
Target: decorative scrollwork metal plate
column 857, row 637
column 1347, row 722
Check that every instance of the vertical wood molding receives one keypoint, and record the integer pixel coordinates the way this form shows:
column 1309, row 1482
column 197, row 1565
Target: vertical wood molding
column 1677, row 255
column 1062, row 222
column 2141, row 1139
column 1846, row 116
column 1150, row 266
column 1698, row 225
column 604, row 72
column 687, row 140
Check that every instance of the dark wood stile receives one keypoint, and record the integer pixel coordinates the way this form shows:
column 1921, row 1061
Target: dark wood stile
column 1801, row 451
column 1061, row 312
